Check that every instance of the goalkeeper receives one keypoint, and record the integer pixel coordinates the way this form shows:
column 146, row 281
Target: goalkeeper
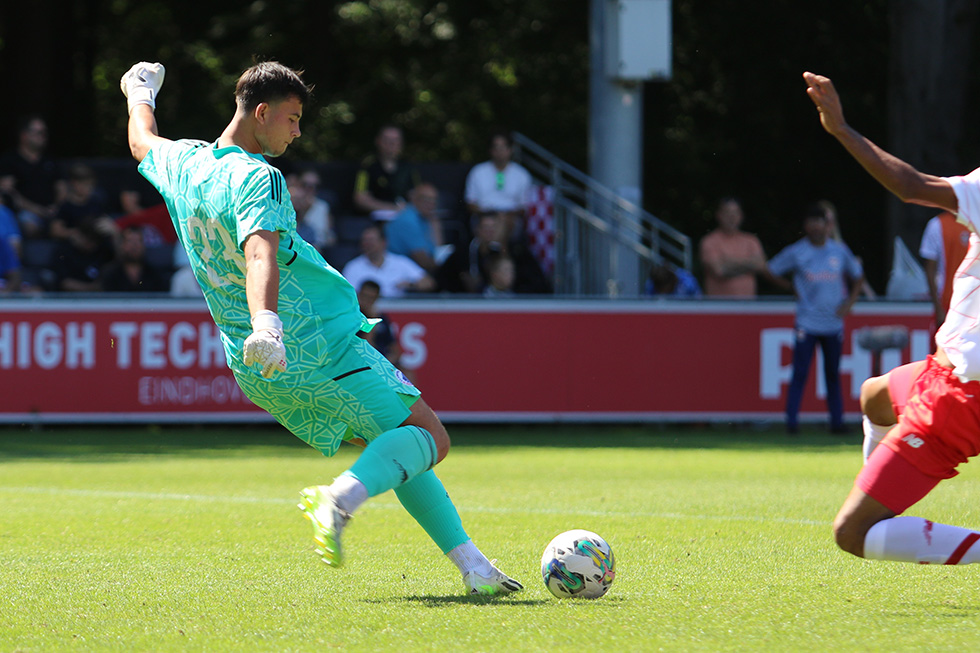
column 289, row 322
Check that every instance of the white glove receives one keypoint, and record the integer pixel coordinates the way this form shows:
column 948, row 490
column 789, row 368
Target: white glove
column 141, row 83
column 265, row 346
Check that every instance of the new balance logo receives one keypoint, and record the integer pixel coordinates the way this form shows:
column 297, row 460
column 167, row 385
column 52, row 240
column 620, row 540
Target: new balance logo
column 913, row 441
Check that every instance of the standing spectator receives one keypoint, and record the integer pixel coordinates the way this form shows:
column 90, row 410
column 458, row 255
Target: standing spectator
column 384, row 178
column 416, row 231
column 83, row 202
column 129, row 272
column 30, row 180
column 394, row 274
column 944, row 244
column 834, row 233
column 821, row 269
column 313, row 220
column 499, row 184
column 731, row 258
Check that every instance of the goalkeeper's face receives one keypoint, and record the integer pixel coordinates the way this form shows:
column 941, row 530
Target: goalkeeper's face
column 278, row 125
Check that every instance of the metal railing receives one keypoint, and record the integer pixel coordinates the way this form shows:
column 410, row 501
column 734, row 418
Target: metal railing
column 604, row 244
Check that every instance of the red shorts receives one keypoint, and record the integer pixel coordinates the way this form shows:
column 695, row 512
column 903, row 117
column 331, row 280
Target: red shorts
column 893, row 481
column 900, row 382
column 940, row 424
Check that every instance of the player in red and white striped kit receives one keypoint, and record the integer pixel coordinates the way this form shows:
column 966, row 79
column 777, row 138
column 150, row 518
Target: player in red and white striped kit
column 939, row 426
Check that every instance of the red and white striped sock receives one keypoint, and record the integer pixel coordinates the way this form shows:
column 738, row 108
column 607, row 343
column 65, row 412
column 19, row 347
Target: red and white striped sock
column 913, row 539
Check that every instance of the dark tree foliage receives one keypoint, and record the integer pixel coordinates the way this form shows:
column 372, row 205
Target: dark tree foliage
column 734, row 119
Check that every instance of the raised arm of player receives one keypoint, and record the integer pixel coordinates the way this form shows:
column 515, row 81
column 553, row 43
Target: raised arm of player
column 907, row 183
column 140, row 85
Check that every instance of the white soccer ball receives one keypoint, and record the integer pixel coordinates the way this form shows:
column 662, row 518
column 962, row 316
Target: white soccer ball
column 578, row 564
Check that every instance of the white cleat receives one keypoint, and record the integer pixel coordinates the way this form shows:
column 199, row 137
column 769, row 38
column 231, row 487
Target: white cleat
column 328, row 519
column 496, row 584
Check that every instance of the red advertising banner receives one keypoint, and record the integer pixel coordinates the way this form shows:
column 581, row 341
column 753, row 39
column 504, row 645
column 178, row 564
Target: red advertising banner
column 475, row 360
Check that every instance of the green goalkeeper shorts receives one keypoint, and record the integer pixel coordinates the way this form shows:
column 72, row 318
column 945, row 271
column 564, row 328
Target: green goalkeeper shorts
column 358, row 394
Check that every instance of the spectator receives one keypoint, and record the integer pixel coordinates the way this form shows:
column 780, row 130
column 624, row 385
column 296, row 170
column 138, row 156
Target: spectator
column 668, row 281
column 467, row 269
column 129, row 272
column 9, row 231
column 30, row 181
column 78, row 260
column 944, row 244
column 731, row 258
column 833, row 228
column 821, row 269
column 499, row 184
column 83, row 202
column 464, row 271
column 313, row 222
column 394, row 274
column 183, row 283
column 384, row 178
column 382, row 336
column 501, row 274
column 10, row 278
column 416, row 231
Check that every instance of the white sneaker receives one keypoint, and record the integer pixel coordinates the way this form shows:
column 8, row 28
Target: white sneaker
column 328, row 519
column 496, row 584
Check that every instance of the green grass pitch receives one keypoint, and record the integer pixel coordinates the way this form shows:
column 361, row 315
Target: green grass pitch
column 188, row 539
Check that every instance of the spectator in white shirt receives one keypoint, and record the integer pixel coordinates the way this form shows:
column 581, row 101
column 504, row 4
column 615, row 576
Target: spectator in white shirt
column 395, row 274
column 498, row 184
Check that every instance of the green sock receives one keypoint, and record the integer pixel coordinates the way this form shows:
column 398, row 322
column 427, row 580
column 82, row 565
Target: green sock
column 394, row 458
column 425, row 499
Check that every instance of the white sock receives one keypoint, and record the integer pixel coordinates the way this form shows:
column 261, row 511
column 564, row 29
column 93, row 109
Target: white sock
column 349, row 492
column 873, row 434
column 467, row 557
column 913, row 539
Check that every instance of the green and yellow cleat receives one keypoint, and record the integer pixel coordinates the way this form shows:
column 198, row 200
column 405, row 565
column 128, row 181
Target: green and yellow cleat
column 328, row 519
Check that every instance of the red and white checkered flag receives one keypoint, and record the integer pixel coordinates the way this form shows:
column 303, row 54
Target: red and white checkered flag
column 541, row 227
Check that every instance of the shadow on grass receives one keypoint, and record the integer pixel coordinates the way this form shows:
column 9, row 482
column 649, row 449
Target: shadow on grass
column 125, row 441
column 444, row 601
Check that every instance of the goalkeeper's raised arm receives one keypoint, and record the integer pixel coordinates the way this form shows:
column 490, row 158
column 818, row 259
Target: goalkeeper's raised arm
column 140, row 85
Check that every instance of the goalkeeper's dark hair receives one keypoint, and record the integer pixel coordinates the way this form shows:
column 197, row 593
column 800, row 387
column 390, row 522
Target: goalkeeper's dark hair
column 270, row 81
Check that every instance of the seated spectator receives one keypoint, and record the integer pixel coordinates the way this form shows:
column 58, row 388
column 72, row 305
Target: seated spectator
column 465, row 270
column 9, row 268
column 30, row 182
column 667, row 281
column 416, row 231
column 384, row 335
column 501, row 273
column 384, row 178
column 9, row 230
column 83, row 202
column 183, row 283
column 394, row 274
column 313, row 222
column 78, row 260
column 499, row 185
column 129, row 272
column 731, row 258
column 158, row 228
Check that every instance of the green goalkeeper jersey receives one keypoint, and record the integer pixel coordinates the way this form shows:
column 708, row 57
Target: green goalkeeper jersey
column 217, row 197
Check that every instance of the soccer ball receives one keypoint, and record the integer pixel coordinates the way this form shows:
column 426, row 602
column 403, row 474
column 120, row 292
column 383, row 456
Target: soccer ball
column 578, row 564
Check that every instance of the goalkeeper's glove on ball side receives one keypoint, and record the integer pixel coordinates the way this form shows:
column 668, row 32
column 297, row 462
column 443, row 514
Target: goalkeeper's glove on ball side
column 265, row 346
column 141, row 83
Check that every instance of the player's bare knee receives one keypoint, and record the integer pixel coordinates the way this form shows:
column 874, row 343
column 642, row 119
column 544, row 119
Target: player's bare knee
column 876, row 402
column 848, row 537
